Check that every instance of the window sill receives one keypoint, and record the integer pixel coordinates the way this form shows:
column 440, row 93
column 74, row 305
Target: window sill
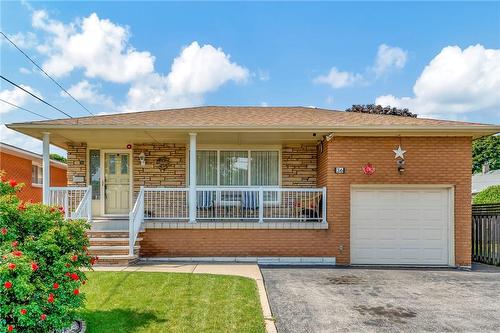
column 36, row 185
column 151, row 224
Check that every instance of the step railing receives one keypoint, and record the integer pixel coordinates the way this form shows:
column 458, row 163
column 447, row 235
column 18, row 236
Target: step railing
column 76, row 201
column 136, row 218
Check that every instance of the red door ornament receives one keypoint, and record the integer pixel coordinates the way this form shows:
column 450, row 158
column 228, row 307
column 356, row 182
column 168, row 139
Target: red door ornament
column 368, row 169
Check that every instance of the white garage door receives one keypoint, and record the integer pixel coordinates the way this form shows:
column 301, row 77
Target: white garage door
column 400, row 226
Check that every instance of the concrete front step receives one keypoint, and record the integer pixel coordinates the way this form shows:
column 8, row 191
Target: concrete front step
column 116, row 260
column 107, row 234
column 111, row 250
column 110, row 241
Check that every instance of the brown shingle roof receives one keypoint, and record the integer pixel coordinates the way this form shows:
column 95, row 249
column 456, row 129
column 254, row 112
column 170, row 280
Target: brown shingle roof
column 248, row 117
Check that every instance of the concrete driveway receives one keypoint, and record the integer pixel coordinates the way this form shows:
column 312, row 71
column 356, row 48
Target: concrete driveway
column 383, row 300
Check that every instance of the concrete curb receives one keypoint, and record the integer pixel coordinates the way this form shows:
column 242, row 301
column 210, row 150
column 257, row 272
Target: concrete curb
column 249, row 270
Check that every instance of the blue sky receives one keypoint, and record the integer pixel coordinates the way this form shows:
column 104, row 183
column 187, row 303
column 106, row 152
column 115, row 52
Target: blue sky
column 439, row 59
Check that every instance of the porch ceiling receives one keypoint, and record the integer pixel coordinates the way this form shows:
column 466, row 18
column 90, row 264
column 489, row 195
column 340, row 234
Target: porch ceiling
column 119, row 138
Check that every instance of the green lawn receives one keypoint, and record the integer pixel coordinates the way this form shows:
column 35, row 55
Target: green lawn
column 171, row 302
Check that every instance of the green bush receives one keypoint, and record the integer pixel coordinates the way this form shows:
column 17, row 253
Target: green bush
column 41, row 257
column 489, row 195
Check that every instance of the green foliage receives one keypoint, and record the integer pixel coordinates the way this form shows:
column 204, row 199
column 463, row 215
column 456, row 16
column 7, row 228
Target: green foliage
column 486, row 150
column 489, row 195
column 41, row 256
column 57, row 157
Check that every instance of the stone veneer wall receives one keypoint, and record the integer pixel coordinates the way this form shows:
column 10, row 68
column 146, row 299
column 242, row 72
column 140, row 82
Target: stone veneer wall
column 150, row 175
column 77, row 163
column 299, row 165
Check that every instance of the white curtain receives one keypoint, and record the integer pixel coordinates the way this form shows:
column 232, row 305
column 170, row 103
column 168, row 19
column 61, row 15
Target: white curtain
column 206, row 167
column 234, row 168
column 264, row 168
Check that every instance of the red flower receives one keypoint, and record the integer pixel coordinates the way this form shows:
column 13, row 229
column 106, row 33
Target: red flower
column 61, row 210
column 56, row 285
column 74, row 277
column 23, row 311
column 74, row 258
column 4, row 231
column 15, row 243
column 52, row 209
column 21, row 206
column 43, row 316
column 12, row 183
column 68, row 274
column 10, row 328
column 76, row 292
column 34, row 266
column 12, row 266
column 17, row 253
column 7, row 285
column 51, row 298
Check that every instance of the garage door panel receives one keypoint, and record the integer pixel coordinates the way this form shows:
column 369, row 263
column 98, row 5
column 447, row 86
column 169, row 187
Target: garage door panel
column 399, row 226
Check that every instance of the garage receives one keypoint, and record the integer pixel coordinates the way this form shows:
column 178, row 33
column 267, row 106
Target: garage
column 402, row 225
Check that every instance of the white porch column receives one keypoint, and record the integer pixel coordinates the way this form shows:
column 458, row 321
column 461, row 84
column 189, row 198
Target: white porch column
column 192, row 177
column 46, row 168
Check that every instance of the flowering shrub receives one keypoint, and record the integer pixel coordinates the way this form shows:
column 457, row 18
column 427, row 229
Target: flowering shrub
column 41, row 256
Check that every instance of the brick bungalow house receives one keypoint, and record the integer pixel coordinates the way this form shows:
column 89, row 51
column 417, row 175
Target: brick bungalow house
column 26, row 167
column 272, row 184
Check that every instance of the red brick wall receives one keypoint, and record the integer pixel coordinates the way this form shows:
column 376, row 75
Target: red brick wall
column 429, row 160
column 19, row 168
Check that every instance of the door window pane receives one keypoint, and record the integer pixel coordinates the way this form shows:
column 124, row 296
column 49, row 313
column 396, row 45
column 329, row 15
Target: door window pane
column 124, row 164
column 233, row 168
column 264, row 168
column 112, row 164
column 206, row 168
column 95, row 173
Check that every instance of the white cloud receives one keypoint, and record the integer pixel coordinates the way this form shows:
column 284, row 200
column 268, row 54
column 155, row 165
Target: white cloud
column 264, row 104
column 24, row 40
column 195, row 72
column 15, row 96
column 454, row 83
column 88, row 92
column 98, row 46
column 388, row 58
column 17, row 139
column 338, row 79
column 24, row 70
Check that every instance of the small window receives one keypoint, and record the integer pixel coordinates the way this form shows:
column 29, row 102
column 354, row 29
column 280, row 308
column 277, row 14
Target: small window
column 95, row 173
column 36, row 174
column 124, row 164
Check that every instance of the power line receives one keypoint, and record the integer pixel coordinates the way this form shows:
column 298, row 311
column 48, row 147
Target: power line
column 19, row 107
column 44, row 72
column 38, row 98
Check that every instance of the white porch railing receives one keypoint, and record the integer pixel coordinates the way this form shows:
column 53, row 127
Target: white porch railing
column 76, row 201
column 259, row 204
column 136, row 217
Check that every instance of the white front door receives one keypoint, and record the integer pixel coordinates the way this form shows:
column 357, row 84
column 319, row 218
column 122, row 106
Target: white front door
column 116, row 183
column 400, row 226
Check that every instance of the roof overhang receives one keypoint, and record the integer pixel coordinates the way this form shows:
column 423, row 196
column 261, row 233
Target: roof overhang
column 119, row 134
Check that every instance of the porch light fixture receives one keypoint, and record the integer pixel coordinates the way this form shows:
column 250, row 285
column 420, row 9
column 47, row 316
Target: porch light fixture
column 401, row 165
column 142, row 158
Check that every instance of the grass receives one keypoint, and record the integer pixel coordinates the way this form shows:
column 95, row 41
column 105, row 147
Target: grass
column 171, row 302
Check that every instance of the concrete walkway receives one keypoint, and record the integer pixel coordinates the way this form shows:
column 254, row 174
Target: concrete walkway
column 251, row 271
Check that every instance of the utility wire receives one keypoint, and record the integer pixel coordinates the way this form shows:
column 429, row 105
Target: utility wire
column 44, row 72
column 19, row 107
column 35, row 96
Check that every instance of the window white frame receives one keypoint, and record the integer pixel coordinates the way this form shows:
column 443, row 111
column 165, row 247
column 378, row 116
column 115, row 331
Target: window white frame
column 39, row 169
column 246, row 149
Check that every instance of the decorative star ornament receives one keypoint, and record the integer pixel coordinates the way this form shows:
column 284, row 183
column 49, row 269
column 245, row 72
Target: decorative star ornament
column 399, row 152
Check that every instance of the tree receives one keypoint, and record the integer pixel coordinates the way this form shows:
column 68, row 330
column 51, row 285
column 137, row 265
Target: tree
column 41, row 256
column 490, row 195
column 486, row 150
column 379, row 109
column 57, row 157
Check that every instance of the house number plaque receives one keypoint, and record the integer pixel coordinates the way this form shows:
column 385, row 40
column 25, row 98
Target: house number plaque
column 340, row 170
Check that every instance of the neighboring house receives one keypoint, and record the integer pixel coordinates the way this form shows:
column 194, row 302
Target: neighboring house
column 283, row 184
column 487, row 178
column 26, row 167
